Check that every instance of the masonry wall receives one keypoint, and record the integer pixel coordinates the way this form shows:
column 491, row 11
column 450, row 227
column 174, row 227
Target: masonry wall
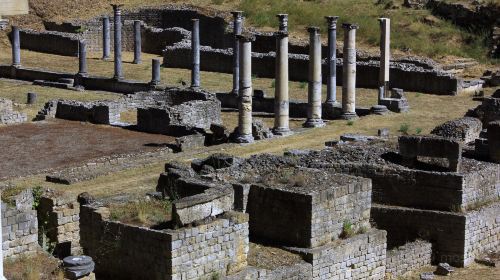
column 308, row 220
column 60, row 216
column 409, row 257
column 130, row 252
column 94, row 112
column 19, row 226
column 49, row 42
column 360, row 257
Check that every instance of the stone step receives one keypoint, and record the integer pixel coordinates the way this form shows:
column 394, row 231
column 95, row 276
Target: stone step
column 51, row 84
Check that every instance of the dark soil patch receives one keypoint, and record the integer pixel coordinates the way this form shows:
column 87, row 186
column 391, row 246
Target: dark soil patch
column 31, row 147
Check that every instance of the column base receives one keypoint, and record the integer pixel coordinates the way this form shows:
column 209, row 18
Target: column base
column 117, row 78
column 136, row 62
column 349, row 116
column 106, row 58
column 314, row 123
column 379, row 110
column 282, row 131
column 242, row 139
column 334, row 103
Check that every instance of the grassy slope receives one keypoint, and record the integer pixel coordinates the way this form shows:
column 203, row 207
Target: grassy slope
column 413, row 31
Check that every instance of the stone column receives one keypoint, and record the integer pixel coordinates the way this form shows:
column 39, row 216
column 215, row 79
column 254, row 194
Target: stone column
column 237, row 28
column 82, row 58
column 155, row 72
column 283, row 19
column 314, row 88
column 195, row 51
column 281, row 103
column 118, row 41
column 349, row 72
column 244, row 133
column 385, row 56
column 137, row 42
column 16, row 47
column 331, row 93
column 106, row 38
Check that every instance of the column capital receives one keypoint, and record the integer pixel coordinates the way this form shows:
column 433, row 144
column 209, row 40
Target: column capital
column 313, row 29
column 238, row 15
column 246, row 37
column 383, row 19
column 195, row 20
column 350, row 26
column 282, row 16
column 283, row 21
column 117, row 7
column 332, row 21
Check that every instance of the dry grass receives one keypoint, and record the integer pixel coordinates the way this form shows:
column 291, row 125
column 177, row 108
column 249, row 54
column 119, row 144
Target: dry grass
column 33, row 267
column 146, row 213
column 474, row 271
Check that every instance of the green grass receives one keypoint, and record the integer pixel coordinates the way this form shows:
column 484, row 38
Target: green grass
column 409, row 30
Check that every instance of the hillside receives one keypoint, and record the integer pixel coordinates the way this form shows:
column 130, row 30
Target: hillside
column 415, row 32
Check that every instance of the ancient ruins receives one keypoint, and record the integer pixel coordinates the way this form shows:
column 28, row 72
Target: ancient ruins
column 361, row 207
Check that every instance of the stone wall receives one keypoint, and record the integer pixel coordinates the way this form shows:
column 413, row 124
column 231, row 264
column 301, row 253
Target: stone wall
column 8, row 115
column 457, row 237
column 360, row 257
column 409, row 257
column 100, row 112
column 465, row 129
column 216, row 247
column 49, row 42
column 291, row 217
column 19, row 226
column 494, row 141
column 59, row 216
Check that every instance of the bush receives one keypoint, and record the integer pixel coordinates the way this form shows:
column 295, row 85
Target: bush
column 404, row 128
column 347, row 230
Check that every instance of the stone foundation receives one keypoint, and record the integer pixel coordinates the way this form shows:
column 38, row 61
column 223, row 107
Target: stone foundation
column 8, row 115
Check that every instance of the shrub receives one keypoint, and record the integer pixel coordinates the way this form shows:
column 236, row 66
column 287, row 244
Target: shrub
column 404, row 128
column 350, row 123
column 347, row 230
column 418, row 130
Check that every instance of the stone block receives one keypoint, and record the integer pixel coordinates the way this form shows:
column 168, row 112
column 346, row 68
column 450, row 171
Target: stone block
column 465, row 130
column 494, row 141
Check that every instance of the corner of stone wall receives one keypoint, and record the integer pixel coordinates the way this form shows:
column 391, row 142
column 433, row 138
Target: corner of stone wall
column 59, row 223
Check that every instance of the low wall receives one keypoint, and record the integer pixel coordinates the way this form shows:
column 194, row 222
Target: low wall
column 360, row 257
column 19, row 226
column 95, row 112
column 29, row 74
column 215, row 248
column 409, row 257
column 263, row 65
column 49, row 42
column 457, row 237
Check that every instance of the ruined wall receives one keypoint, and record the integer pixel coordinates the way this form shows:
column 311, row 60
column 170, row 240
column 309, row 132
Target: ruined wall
column 8, row 115
column 308, row 220
column 212, row 248
column 95, row 112
column 360, row 257
column 19, row 226
column 409, row 257
column 457, row 237
column 407, row 77
column 60, row 218
column 49, row 42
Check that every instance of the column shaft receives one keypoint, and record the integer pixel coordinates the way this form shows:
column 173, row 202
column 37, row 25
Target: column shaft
column 246, row 91
column 137, row 42
column 385, row 41
column 349, row 72
column 331, row 93
column 237, row 28
column 314, row 88
column 283, row 22
column 195, row 51
column 281, row 102
column 82, row 57
column 16, row 47
column 118, row 42
column 106, row 38
column 155, row 72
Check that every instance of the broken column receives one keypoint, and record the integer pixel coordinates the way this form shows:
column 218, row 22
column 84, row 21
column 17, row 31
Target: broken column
column 237, row 27
column 16, row 47
column 385, row 41
column 137, row 42
column 118, row 41
column 244, row 133
column 195, row 51
column 155, row 72
column 331, row 92
column 106, row 39
column 281, row 103
column 82, row 58
column 283, row 22
column 314, row 88
column 349, row 72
